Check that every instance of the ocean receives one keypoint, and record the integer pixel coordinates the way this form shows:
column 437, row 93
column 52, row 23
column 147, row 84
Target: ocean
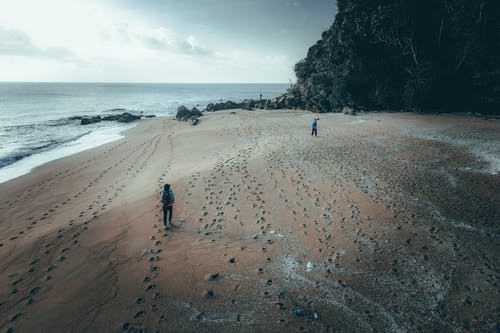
column 36, row 125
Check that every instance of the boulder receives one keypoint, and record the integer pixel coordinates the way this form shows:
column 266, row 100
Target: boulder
column 184, row 114
column 122, row 118
column 127, row 118
column 210, row 107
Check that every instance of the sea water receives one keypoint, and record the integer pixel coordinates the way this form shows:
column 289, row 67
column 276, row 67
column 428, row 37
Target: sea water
column 36, row 125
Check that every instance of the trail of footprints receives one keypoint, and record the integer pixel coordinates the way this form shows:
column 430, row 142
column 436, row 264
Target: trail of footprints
column 148, row 304
column 42, row 185
column 43, row 268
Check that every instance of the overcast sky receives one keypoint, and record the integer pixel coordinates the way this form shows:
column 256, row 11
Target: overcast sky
column 158, row 40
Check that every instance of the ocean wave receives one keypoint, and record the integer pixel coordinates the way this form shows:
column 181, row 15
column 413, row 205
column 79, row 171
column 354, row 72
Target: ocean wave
column 24, row 152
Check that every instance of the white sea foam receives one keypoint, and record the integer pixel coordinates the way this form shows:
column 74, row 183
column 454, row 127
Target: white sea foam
column 91, row 140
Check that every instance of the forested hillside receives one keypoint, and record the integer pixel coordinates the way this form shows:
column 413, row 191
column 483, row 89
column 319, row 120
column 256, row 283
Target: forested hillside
column 404, row 54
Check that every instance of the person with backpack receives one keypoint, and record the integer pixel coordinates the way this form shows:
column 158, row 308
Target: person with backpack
column 167, row 200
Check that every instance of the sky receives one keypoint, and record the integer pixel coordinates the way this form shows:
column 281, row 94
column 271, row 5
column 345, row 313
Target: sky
column 175, row 41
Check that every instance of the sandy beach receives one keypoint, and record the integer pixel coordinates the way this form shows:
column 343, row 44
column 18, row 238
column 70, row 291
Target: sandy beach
column 385, row 222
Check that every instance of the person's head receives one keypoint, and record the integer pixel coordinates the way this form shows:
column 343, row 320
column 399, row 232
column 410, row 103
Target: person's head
column 166, row 187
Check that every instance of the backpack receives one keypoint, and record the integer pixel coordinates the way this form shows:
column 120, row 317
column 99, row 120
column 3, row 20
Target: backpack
column 166, row 198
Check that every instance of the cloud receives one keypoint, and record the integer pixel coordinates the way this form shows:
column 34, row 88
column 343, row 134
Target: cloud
column 17, row 43
column 158, row 39
column 163, row 39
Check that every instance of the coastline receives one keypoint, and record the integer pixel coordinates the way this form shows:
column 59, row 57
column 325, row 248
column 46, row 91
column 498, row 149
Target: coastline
column 367, row 204
column 85, row 142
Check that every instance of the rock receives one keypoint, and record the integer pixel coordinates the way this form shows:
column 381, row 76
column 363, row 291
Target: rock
column 150, row 116
column 121, row 118
column 194, row 121
column 425, row 76
column 232, row 260
column 210, row 107
column 111, row 118
column 208, row 294
column 91, row 120
column 213, row 277
column 184, row 114
column 127, row 118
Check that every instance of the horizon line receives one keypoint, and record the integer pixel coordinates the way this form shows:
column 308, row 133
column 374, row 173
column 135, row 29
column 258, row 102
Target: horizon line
column 143, row 82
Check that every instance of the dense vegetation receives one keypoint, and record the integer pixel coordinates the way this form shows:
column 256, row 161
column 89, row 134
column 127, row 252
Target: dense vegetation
column 404, row 54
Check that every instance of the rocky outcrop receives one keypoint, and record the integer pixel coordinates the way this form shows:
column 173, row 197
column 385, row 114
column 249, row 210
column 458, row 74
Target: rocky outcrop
column 90, row 120
column 184, row 114
column 280, row 102
column 125, row 117
column 429, row 54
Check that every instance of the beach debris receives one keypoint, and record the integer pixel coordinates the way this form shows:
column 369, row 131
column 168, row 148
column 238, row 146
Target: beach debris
column 310, row 266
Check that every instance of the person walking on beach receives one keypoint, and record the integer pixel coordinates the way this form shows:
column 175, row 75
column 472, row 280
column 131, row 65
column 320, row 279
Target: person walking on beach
column 315, row 127
column 167, row 200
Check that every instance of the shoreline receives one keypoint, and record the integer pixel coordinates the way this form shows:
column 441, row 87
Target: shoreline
column 27, row 164
column 85, row 142
column 370, row 226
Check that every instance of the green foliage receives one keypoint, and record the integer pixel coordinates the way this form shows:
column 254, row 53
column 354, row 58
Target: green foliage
column 405, row 54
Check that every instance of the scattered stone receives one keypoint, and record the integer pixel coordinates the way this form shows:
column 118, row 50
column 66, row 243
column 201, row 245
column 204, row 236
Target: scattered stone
column 213, row 277
column 208, row 294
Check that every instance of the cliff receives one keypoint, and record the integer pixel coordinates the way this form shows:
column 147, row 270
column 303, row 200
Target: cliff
column 404, row 54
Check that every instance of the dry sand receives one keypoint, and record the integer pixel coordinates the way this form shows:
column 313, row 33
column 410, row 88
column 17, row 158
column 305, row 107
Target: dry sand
column 383, row 223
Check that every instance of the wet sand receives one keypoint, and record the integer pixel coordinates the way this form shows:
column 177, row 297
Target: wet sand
column 382, row 223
